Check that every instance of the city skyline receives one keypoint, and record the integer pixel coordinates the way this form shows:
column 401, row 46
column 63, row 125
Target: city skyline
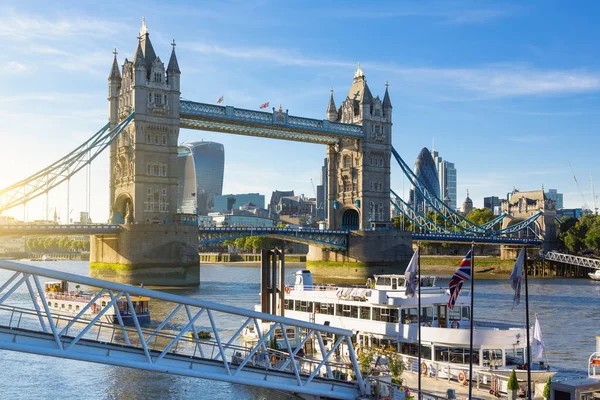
column 489, row 82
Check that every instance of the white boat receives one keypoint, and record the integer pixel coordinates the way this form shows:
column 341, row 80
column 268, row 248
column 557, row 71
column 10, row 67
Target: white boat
column 381, row 315
column 595, row 275
column 62, row 301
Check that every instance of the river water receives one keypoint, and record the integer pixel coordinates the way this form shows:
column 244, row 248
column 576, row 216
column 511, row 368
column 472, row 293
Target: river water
column 568, row 311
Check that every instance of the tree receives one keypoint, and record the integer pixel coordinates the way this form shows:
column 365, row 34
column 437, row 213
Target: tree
column 512, row 383
column 480, row 216
column 547, row 387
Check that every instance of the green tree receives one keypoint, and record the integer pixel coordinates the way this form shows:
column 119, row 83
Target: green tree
column 512, row 383
column 547, row 387
column 480, row 216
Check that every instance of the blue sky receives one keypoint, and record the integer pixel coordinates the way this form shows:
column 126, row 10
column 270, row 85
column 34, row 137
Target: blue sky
column 508, row 90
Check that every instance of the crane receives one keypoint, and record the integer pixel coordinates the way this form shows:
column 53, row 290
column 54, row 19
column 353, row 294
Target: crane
column 583, row 205
column 594, row 195
column 313, row 187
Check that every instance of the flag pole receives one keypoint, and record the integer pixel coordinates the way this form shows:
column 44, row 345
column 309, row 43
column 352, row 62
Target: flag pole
column 471, row 322
column 420, row 395
column 527, row 325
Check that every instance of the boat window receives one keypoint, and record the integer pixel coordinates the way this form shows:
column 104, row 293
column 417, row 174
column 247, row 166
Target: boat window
column 289, row 304
column 62, row 306
column 455, row 355
column 55, row 305
column 454, row 315
column 324, row 308
column 427, row 315
column 347, row 310
column 103, row 304
column 513, row 357
column 412, row 349
column 305, row 306
column 394, row 283
column 409, row 316
column 77, row 308
column 290, row 332
column 465, row 313
column 385, row 314
column 70, row 306
column 492, row 357
column 278, row 333
column 365, row 312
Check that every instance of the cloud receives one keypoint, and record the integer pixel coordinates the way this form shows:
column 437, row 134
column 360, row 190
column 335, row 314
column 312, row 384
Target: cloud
column 498, row 80
column 13, row 67
column 21, row 27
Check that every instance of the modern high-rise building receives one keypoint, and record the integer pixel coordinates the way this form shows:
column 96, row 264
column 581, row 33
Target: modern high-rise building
column 227, row 202
column 322, row 194
column 446, row 178
column 426, row 171
column 201, row 167
column 553, row 194
column 491, row 203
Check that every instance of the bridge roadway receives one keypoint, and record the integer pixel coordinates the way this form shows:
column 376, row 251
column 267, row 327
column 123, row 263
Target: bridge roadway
column 57, row 230
column 172, row 344
column 592, row 263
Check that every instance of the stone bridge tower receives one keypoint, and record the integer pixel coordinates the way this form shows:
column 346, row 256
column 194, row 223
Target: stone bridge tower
column 359, row 191
column 522, row 205
column 143, row 173
column 359, row 177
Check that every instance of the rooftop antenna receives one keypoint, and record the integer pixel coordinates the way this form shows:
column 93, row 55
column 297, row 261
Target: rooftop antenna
column 594, row 195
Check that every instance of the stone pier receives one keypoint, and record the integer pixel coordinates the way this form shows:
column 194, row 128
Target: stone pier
column 157, row 255
column 370, row 252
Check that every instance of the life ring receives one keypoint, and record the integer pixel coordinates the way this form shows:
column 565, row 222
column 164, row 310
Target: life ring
column 273, row 359
column 455, row 324
column 357, row 351
column 287, row 289
column 462, row 378
column 423, row 368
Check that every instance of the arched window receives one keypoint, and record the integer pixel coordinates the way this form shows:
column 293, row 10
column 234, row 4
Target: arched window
column 347, row 161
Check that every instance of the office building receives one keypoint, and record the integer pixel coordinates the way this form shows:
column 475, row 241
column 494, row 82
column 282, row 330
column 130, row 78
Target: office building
column 227, row 202
column 426, row 172
column 553, row 194
column 201, row 167
column 491, row 203
column 447, row 179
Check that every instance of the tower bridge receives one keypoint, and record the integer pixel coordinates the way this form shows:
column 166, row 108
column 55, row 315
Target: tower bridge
column 146, row 113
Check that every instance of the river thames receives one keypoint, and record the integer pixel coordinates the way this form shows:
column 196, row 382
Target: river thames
column 567, row 310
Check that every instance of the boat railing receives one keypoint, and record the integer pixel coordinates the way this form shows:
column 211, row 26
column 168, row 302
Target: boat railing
column 68, row 296
column 156, row 343
column 329, row 287
column 594, row 366
column 479, row 324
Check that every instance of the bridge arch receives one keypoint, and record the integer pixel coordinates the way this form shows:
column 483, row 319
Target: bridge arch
column 122, row 210
column 350, row 219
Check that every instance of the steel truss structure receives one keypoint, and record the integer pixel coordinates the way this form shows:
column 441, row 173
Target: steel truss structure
column 316, row 237
column 275, row 125
column 175, row 345
column 58, row 230
column 416, row 217
column 56, row 173
column 592, row 263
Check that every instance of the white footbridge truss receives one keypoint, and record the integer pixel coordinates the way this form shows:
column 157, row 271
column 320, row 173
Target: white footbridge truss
column 592, row 263
column 172, row 344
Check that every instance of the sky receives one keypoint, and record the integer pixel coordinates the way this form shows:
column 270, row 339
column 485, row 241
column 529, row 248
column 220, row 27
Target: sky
column 507, row 90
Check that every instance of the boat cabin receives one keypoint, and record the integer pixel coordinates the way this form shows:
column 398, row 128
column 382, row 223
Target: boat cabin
column 56, row 287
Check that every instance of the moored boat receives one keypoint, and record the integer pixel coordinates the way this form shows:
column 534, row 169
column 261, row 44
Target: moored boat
column 382, row 315
column 595, row 275
column 61, row 300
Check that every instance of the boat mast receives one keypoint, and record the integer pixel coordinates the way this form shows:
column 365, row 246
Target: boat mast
column 420, row 396
column 527, row 325
column 471, row 324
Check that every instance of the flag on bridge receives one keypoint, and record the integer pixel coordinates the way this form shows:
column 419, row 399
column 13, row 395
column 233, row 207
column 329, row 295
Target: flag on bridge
column 411, row 275
column 265, row 105
column 515, row 278
column 463, row 273
column 220, row 100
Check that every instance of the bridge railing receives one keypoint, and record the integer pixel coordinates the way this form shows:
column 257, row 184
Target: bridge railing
column 593, row 263
column 181, row 329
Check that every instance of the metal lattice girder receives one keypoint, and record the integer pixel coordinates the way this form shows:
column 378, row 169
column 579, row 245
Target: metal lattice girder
column 58, row 230
column 437, row 204
column 593, row 263
column 495, row 221
column 276, row 125
column 557, row 220
column 94, row 331
column 317, row 237
column 458, row 238
column 523, row 225
column 58, row 172
column 414, row 216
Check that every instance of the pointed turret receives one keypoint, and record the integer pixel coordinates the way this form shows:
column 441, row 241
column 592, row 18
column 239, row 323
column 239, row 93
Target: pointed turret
column 332, row 114
column 173, row 64
column 387, row 104
column 138, row 58
column 115, row 74
column 146, row 45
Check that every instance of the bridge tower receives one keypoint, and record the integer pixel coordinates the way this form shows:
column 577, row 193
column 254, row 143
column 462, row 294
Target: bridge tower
column 359, row 186
column 143, row 174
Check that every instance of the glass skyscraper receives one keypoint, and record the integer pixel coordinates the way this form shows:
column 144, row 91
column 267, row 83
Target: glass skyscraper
column 426, row 171
column 446, row 178
column 201, row 167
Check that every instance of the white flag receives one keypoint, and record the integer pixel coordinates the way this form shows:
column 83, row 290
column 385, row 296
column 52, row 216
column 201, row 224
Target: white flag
column 515, row 278
column 411, row 275
column 539, row 341
column 220, row 100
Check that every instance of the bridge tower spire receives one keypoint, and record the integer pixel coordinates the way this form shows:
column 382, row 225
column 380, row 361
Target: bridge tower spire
column 143, row 164
column 332, row 114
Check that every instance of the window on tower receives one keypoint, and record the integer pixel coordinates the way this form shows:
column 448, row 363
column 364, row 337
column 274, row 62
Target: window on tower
column 158, row 98
column 157, row 77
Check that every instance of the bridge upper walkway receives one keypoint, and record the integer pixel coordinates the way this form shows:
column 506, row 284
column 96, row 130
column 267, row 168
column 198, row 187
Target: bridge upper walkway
column 275, row 125
column 58, row 230
column 32, row 322
column 592, row 263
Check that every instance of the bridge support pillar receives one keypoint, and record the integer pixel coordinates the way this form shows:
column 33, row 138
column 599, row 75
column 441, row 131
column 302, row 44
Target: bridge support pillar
column 161, row 255
column 369, row 252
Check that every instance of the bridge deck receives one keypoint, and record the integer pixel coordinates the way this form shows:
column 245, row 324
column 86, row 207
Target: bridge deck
column 57, row 230
column 592, row 263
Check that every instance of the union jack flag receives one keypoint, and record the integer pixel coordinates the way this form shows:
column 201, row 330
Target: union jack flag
column 265, row 105
column 463, row 273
